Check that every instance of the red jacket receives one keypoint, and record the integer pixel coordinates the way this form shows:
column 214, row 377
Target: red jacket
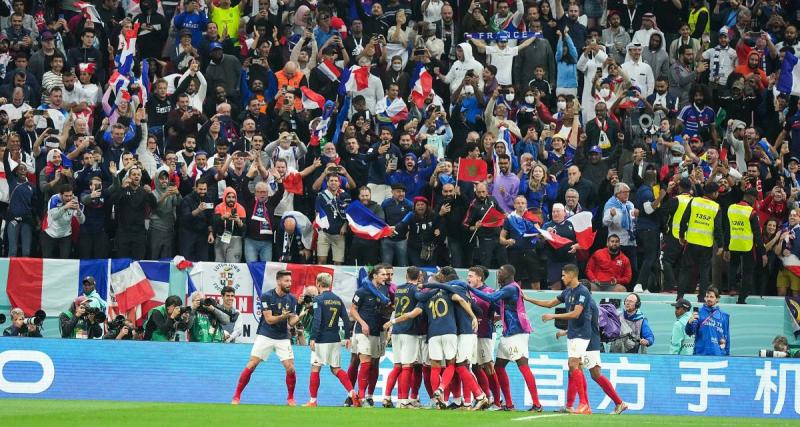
column 601, row 268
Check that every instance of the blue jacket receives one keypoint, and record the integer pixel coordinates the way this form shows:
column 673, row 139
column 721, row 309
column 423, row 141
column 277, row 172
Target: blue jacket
column 415, row 180
column 194, row 22
column 567, row 73
column 377, row 167
column 712, row 324
column 647, row 333
column 395, row 212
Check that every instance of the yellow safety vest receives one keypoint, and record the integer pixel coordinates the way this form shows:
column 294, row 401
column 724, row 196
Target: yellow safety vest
column 694, row 14
column 701, row 222
column 683, row 201
column 741, row 232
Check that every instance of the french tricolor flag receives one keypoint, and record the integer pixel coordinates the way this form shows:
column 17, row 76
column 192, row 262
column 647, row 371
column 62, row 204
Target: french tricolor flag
column 321, row 221
column 422, row 85
column 311, row 99
column 129, row 284
column 89, row 12
column 392, row 112
column 365, row 224
column 357, row 78
column 331, row 71
column 128, row 53
column 51, row 284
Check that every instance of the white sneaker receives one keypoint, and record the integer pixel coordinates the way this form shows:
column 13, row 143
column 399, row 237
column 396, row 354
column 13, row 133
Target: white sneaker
column 638, row 289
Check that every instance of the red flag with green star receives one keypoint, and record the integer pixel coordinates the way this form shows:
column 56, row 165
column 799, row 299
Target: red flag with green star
column 472, row 170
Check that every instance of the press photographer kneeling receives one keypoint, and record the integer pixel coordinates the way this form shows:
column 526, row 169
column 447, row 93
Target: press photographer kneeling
column 165, row 320
column 22, row 326
column 206, row 319
column 81, row 321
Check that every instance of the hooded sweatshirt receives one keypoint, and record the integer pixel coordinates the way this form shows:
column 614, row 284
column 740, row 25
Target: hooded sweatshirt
column 229, row 225
column 163, row 216
column 460, row 68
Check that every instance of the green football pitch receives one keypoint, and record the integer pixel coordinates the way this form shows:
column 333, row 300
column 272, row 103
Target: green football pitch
column 31, row 413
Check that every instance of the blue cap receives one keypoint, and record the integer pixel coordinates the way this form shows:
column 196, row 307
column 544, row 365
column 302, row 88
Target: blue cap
column 214, row 45
column 596, row 149
column 502, row 36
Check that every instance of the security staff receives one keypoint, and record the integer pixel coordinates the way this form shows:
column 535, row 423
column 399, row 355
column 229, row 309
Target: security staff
column 741, row 236
column 674, row 207
column 700, row 229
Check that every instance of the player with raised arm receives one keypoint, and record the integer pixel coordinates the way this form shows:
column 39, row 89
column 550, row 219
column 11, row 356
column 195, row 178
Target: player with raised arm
column 578, row 301
column 369, row 340
column 516, row 332
column 277, row 315
column 325, row 342
column 442, row 331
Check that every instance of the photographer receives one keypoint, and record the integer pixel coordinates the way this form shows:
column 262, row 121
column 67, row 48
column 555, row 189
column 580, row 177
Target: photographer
column 205, row 320
column 162, row 321
column 121, row 329
column 780, row 349
column 710, row 327
column 305, row 311
column 19, row 328
column 231, row 329
column 81, row 320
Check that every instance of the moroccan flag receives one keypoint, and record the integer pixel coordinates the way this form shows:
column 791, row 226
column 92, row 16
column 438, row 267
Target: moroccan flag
column 493, row 218
column 472, row 170
column 293, row 183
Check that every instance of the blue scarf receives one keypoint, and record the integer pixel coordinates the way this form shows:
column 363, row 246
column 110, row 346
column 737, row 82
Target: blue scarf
column 622, row 209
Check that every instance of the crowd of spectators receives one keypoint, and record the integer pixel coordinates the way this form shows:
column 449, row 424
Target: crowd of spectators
column 663, row 118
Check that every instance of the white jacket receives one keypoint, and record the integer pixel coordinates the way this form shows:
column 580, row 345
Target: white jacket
column 59, row 218
column 460, row 68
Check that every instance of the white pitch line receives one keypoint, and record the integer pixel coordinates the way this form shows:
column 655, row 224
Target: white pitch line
column 535, row 417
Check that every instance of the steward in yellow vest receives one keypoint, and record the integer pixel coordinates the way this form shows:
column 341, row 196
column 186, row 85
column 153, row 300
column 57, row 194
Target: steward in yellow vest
column 674, row 208
column 700, row 231
column 741, row 235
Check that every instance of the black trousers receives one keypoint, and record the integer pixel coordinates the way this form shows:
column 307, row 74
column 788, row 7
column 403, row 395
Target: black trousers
column 649, row 245
column 131, row 244
column 671, row 262
column 487, row 250
column 695, row 266
column 56, row 248
column 747, row 263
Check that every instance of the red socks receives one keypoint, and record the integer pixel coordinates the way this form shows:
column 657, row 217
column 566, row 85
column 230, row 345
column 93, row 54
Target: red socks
column 291, row 381
column 352, row 370
column 495, row 386
column 578, row 382
column 470, row 385
column 483, row 380
column 502, row 380
column 605, row 384
column 447, row 375
column 313, row 385
column 404, row 383
column 363, row 378
column 525, row 370
column 416, row 381
column 572, row 390
column 427, row 376
column 436, row 380
column 373, row 378
column 244, row 378
column 391, row 380
column 344, row 379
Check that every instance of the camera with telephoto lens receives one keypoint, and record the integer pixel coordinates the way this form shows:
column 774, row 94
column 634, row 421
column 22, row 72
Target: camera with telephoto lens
column 99, row 316
column 115, row 327
column 780, row 349
column 772, row 353
column 209, row 301
column 307, row 299
column 37, row 318
column 185, row 310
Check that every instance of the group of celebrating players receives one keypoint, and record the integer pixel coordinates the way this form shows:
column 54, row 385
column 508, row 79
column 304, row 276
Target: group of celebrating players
column 441, row 334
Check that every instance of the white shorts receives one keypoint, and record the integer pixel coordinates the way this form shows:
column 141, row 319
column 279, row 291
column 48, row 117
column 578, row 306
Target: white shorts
column 466, row 348
column 591, row 359
column 424, row 357
column 405, row 349
column 513, row 348
column 264, row 346
column 328, row 353
column 443, row 347
column 483, row 351
column 369, row 345
column 576, row 347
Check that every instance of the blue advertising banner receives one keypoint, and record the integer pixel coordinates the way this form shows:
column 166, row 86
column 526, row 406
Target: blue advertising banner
column 188, row 372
